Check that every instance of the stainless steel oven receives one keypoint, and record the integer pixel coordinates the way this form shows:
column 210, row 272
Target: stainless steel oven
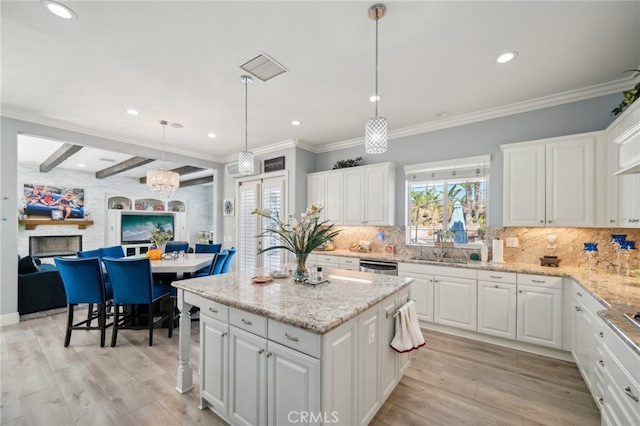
column 379, row 267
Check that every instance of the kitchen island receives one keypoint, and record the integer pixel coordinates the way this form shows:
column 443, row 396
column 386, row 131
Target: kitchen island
column 283, row 352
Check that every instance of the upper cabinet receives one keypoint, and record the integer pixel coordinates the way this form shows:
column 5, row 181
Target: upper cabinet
column 550, row 182
column 363, row 195
column 625, row 133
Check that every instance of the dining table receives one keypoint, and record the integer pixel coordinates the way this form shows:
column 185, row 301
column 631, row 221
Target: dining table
column 189, row 263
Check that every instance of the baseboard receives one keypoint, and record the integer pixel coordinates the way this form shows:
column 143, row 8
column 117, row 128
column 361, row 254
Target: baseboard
column 9, row 319
column 511, row 344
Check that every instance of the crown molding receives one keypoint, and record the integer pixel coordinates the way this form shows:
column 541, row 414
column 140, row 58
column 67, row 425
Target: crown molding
column 503, row 111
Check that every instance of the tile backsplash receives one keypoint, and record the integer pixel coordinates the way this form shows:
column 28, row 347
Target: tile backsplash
column 532, row 244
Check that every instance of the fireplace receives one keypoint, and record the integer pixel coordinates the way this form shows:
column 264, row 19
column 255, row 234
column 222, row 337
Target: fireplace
column 56, row 245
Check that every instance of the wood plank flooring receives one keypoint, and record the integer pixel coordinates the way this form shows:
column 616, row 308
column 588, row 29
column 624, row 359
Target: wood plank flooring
column 452, row 381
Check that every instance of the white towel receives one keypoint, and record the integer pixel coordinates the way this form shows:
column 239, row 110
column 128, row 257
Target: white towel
column 408, row 334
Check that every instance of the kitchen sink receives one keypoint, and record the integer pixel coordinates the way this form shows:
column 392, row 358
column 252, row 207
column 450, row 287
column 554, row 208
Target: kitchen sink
column 442, row 261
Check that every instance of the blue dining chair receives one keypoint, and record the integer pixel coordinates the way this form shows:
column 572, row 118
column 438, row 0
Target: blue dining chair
column 176, row 246
column 113, row 251
column 83, row 283
column 99, row 253
column 227, row 262
column 90, row 253
column 208, row 248
column 133, row 285
column 216, row 265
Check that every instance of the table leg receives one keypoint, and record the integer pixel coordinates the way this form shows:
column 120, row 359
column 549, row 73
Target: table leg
column 185, row 371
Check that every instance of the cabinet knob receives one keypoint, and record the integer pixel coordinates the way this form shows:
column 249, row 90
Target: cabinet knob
column 215, row 311
column 548, row 221
column 520, row 291
column 579, row 294
column 268, row 354
column 497, row 277
column 601, row 334
column 246, row 322
column 630, row 394
column 495, row 286
column 612, row 221
column 538, row 281
column 601, row 362
column 224, row 333
column 260, row 350
column 601, row 401
column 542, row 221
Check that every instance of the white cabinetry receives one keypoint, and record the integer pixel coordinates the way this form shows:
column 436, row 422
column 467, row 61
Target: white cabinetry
column 369, row 393
column 550, row 182
column 214, row 373
column 497, row 303
column 369, row 193
column 443, row 295
column 621, row 366
column 625, row 131
column 585, row 326
column 539, row 310
column 327, row 188
column 339, row 262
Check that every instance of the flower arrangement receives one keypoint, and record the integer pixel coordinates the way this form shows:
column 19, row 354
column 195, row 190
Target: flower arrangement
column 160, row 237
column 299, row 237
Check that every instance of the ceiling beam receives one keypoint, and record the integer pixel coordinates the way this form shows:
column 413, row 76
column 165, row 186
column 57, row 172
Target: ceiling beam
column 185, row 170
column 58, row 157
column 199, row 181
column 123, row 166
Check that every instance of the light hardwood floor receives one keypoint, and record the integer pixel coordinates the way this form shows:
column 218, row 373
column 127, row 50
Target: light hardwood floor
column 452, row 381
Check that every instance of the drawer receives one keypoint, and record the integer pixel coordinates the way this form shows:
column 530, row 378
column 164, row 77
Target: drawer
column 498, row 277
column 327, row 260
column 620, row 383
column 215, row 310
column 617, row 404
column 346, row 262
column 295, row 338
column 540, row 281
column 409, row 269
column 627, row 358
column 248, row 321
column 587, row 299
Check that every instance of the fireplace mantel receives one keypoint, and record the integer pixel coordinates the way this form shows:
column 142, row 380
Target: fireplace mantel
column 30, row 224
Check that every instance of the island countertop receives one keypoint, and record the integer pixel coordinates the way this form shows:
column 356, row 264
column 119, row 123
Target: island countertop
column 319, row 308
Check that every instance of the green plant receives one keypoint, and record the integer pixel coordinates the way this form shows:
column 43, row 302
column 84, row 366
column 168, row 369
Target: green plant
column 160, row 237
column 341, row 164
column 630, row 96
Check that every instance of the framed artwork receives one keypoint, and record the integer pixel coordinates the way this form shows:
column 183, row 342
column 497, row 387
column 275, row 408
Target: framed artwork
column 44, row 199
column 228, row 207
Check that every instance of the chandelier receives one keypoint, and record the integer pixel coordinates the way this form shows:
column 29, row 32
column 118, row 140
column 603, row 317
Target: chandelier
column 375, row 131
column 245, row 158
column 162, row 180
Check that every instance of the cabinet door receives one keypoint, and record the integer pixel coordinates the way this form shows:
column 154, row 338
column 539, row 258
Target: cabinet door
column 455, row 302
column 570, row 182
column 315, row 190
column 294, row 386
column 334, row 198
column 422, row 290
column 214, row 367
column 376, row 201
column 368, row 365
column 497, row 309
column 523, row 186
column 388, row 358
column 629, row 201
column 247, row 378
column 354, row 197
column 539, row 316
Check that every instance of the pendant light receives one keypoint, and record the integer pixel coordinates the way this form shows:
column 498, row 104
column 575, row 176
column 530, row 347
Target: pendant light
column 375, row 131
column 162, row 180
column 245, row 158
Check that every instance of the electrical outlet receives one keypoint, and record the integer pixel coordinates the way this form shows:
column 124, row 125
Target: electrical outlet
column 512, row 242
column 551, row 241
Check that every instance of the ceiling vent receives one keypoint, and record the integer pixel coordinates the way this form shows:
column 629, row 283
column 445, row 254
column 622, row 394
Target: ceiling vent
column 263, row 67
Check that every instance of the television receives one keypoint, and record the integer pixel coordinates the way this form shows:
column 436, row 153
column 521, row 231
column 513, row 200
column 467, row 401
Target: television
column 136, row 228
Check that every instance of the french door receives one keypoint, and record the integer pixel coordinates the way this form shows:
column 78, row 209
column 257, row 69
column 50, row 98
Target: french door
column 263, row 194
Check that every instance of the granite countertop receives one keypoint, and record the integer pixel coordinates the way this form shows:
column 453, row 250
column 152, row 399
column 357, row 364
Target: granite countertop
column 319, row 308
column 619, row 293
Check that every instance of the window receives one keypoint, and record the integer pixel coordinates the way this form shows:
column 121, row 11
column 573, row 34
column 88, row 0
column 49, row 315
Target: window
column 447, row 199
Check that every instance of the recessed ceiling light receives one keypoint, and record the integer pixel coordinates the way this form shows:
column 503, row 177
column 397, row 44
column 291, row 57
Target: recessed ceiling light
column 506, row 57
column 81, row 165
column 59, row 10
column 211, row 135
column 375, row 98
column 132, row 111
column 296, row 123
column 442, row 114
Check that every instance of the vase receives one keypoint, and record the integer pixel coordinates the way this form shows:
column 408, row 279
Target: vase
column 301, row 272
column 161, row 247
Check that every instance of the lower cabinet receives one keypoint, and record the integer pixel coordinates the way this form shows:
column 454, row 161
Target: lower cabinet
column 257, row 371
column 539, row 310
column 455, row 302
column 497, row 304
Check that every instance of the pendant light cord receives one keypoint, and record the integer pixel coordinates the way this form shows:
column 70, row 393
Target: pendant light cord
column 377, row 18
column 246, row 114
column 164, row 123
